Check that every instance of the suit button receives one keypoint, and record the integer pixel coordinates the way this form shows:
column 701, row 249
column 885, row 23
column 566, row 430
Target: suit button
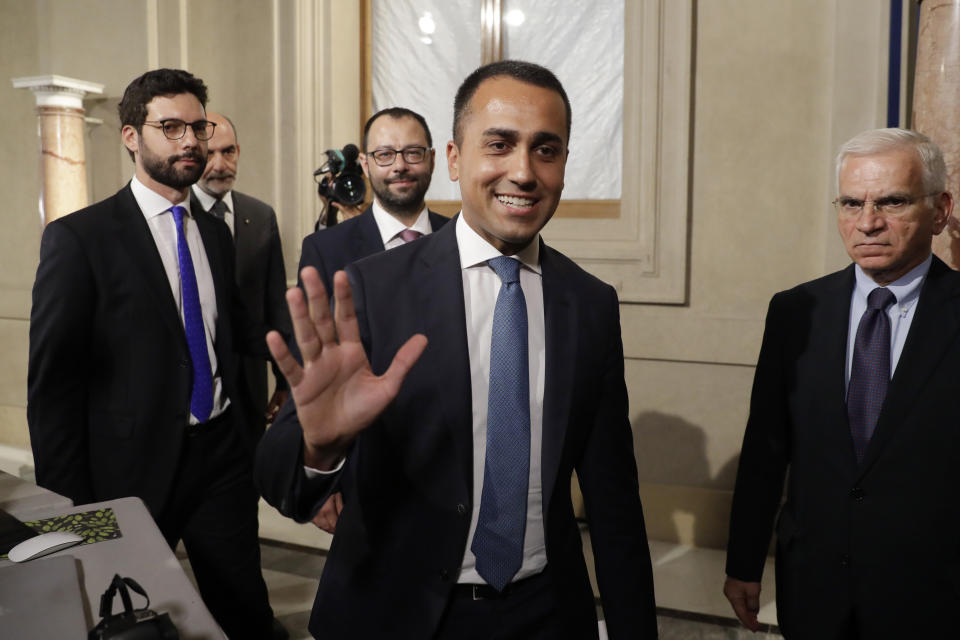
column 444, row 575
column 184, row 364
column 845, row 560
column 461, row 509
column 857, row 494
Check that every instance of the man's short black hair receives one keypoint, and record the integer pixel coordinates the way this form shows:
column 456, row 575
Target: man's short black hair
column 159, row 82
column 396, row 112
column 517, row 69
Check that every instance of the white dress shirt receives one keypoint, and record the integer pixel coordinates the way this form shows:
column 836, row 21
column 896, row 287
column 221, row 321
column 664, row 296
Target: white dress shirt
column 907, row 291
column 481, row 285
column 207, row 201
column 156, row 211
column 390, row 227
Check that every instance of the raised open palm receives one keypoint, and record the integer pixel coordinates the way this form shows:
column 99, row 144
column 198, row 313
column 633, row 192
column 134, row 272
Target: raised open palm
column 336, row 393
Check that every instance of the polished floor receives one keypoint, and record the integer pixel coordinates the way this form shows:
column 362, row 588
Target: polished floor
column 292, row 571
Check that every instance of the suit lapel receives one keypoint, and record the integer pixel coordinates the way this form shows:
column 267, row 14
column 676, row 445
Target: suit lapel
column 831, row 327
column 441, row 291
column 365, row 239
column 562, row 334
column 137, row 240
column 436, row 220
column 244, row 239
column 935, row 326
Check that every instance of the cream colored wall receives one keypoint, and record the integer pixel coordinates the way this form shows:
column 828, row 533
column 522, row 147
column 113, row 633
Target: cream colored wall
column 776, row 87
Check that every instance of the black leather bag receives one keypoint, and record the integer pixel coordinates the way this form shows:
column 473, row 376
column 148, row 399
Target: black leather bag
column 130, row 624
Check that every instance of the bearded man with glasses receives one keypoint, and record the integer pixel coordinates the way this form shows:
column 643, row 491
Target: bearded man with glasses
column 397, row 159
column 132, row 382
column 855, row 408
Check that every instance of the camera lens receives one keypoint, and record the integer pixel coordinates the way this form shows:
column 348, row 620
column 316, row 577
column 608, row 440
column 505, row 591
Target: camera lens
column 349, row 189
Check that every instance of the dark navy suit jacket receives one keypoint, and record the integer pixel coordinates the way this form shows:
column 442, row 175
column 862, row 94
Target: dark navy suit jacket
column 879, row 540
column 109, row 375
column 403, row 529
column 332, row 249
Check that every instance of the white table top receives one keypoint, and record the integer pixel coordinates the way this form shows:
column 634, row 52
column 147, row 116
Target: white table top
column 140, row 553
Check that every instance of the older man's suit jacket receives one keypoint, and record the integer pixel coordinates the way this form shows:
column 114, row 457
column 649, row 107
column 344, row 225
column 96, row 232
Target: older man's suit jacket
column 332, row 249
column 109, row 376
column 262, row 281
column 879, row 540
column 403, row 529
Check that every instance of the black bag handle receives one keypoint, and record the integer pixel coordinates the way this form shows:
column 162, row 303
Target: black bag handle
column 121, row 584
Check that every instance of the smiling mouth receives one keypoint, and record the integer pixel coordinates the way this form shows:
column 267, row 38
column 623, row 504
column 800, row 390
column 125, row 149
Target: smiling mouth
column 516, row 201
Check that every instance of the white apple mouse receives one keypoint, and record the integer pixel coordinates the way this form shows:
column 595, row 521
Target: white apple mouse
column 43, row 544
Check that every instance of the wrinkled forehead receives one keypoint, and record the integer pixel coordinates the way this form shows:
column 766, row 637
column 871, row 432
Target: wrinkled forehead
column 899, row 169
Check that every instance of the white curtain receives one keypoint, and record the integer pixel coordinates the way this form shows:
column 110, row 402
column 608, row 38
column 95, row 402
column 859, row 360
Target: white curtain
column 423, row 49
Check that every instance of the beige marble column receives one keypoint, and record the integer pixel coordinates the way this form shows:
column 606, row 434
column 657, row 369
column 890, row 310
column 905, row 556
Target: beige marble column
column 936, row 102
column 63, row 167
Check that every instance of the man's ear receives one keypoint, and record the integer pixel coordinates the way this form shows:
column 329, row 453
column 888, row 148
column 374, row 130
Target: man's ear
column 130, row 137
column 363, row 164
column 944, row 209
column 453, row 161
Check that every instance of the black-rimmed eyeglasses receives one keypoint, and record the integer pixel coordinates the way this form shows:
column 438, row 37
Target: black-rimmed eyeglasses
column 386, row 157
column 175, row 129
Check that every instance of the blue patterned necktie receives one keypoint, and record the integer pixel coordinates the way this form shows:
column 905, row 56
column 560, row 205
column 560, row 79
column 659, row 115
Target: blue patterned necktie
column 498, row 540
column 870, row 369
column 201, row 396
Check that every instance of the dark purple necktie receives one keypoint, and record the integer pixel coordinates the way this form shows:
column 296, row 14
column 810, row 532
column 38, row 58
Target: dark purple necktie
column 870, row 369
column 201, row 397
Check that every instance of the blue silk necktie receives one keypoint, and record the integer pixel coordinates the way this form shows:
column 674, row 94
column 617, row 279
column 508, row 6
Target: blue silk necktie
column 870, row 369
column 201, row 396
column 498, row 539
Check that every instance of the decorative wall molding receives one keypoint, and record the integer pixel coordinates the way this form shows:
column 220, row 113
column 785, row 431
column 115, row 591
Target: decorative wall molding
column 643, row 253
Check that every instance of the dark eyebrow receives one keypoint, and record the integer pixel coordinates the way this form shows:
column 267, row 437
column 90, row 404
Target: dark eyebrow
column 539, row 138
column 546, row 137
column 508, row 134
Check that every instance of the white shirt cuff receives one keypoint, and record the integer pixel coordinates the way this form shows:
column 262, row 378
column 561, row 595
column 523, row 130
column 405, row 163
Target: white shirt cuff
column 317, row 473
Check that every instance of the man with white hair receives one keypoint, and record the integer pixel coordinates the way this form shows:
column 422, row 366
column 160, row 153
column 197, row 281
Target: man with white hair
column 855, row 394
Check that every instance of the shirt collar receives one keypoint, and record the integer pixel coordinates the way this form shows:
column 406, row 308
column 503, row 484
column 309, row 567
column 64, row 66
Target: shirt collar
column 207, row 201
column 389, row 226
column 906, row 288
column 474, row 250
column 152, row 203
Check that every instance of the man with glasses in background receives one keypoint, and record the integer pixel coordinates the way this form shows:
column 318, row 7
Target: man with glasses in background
column 855, row 395
column 132, row 382
column 397, row 159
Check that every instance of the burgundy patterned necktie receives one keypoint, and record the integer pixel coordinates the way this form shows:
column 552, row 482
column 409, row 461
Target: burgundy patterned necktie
column 870, row 369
